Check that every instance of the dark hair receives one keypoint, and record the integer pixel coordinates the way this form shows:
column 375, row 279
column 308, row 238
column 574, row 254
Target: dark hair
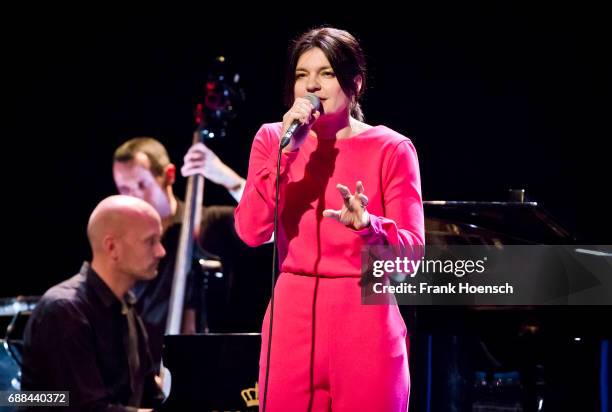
column 345, row 56
column 154, row 150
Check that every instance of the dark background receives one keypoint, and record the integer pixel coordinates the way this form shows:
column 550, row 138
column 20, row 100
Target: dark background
column 494, row 97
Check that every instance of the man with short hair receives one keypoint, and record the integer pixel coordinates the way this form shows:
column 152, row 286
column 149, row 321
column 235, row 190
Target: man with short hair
column 142, row 168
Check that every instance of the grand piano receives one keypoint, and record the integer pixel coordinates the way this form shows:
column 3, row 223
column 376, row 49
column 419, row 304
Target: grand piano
column 462, row 358
column 501, row 358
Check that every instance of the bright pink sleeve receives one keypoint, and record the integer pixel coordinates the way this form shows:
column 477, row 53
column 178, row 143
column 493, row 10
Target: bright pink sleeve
column 254, row 215
column 402, row 225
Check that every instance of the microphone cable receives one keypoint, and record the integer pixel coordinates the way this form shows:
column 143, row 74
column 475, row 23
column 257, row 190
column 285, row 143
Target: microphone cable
column 273, row 279
column 284, row 141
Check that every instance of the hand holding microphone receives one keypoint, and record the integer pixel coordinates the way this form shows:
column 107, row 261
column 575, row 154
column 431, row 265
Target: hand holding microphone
column 298, row 120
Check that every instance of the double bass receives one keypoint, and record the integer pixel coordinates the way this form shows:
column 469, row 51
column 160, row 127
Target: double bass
column 212, row 118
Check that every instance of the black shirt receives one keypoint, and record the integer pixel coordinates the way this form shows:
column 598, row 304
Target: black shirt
column 76, row 340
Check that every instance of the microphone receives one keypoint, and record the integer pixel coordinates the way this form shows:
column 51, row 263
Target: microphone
column 296, row 123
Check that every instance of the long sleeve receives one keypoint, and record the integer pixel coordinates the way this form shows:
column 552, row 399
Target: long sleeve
column 402, row 226
column 254, row 216
column 386, row 163
column 63, row 333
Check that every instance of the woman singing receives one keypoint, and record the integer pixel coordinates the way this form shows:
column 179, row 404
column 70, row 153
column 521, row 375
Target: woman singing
column 344, row 185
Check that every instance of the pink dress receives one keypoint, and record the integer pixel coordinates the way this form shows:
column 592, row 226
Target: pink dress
column 330, row 352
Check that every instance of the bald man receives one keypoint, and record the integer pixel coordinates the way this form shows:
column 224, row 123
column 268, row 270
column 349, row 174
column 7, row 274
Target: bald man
column 84, row 337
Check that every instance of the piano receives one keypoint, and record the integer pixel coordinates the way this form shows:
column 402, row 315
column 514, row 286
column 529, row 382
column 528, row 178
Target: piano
column 490, row 358
column 212, row 372
column 462, row 358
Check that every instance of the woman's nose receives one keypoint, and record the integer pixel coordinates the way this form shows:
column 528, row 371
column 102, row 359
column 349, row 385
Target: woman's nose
column 313, row 84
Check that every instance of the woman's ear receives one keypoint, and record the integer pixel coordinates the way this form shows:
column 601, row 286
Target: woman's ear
column 358, row 80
